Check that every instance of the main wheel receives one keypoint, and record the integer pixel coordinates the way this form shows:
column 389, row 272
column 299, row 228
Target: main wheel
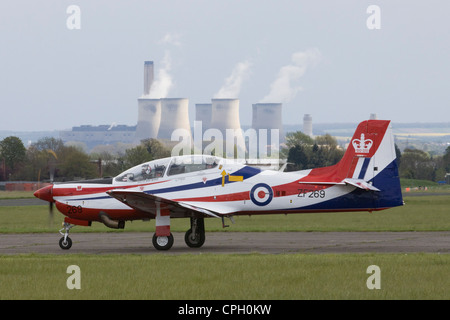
column 194, row 240
column 65, row 245
column 162, row 243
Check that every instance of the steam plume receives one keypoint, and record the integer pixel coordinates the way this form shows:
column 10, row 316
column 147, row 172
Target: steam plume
column 285, row 88
column 163, row 82
column 233, row 83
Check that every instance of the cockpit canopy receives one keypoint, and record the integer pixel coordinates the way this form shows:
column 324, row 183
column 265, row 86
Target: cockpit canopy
column 167, row 167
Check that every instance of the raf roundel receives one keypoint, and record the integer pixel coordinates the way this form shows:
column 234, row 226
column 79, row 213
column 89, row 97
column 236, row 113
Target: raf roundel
column 261, row 194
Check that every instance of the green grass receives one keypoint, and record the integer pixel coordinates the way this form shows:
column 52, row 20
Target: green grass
column 425, row 213
column 255, row 276
column 16, row 194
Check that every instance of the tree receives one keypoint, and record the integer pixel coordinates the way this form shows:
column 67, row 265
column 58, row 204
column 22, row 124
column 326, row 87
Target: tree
column 13, row 152
column 297, row 158
column 49, row 143
column 42, row 159
column 149, row 149
column 398, row 155
column 446, row 160
column 298, row 138
column 156, row 148
column 417, row 164
column 74, row 164
column 307, row 153
column 136, row 155
column 325, row 152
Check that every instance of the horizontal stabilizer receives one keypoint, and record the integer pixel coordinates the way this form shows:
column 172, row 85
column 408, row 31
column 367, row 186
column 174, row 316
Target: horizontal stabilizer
column 360, row 183
column 322, row 182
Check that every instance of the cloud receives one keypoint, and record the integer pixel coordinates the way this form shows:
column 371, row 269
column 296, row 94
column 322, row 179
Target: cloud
column 233, row 83
column 285, row 86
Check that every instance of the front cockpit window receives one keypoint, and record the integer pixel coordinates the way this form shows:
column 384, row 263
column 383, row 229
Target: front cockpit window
column 146, row 171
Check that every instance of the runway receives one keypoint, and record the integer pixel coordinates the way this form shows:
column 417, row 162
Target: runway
column 233, row 242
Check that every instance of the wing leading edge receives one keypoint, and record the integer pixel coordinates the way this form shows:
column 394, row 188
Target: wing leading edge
column 150, row 203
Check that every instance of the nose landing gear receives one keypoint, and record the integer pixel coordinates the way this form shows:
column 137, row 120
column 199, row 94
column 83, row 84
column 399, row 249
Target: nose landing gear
column 65, row 242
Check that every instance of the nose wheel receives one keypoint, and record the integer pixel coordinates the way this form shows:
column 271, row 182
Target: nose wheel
column 65, row 242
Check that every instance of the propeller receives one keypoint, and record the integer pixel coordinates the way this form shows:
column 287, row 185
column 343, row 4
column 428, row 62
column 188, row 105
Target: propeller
column 50, row 211
column 52, row 176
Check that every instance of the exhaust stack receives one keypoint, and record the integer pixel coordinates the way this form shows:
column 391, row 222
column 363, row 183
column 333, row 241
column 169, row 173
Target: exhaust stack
column 113, row 224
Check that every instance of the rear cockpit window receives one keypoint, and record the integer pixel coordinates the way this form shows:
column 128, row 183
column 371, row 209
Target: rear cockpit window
column 191, row 164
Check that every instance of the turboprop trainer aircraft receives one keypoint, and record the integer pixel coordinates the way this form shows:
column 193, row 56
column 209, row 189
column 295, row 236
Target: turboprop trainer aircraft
column 203, row 186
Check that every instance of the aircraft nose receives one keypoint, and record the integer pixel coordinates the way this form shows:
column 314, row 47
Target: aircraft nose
column 45, row 193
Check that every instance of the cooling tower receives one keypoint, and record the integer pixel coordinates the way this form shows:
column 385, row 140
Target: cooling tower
column 148, row 77
column 307, row 125
column 203, row 113
column 149, row 118
column 174, row 115
column 267, row 116
column 225, row 115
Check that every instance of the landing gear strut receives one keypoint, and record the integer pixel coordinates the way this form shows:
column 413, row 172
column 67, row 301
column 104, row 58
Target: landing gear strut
column 195, row 236
column 65, row 242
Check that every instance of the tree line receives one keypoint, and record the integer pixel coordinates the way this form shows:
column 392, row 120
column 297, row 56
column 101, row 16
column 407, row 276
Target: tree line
column 49, row 159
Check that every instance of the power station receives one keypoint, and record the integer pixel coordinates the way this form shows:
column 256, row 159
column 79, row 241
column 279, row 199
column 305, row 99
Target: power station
column 159, row 117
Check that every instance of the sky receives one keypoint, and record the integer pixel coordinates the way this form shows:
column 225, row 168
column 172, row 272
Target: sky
column 63, row 66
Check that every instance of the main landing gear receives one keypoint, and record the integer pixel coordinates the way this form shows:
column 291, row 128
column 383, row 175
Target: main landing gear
column 194, row 237
column 162, row 242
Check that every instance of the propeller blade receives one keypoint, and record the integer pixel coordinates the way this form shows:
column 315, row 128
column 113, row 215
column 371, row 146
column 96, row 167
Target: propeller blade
column 50, row 214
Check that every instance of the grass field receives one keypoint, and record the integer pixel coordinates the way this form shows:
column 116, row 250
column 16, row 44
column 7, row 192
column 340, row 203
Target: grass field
column 16, row 194
column 236, row 276
column 241, row 277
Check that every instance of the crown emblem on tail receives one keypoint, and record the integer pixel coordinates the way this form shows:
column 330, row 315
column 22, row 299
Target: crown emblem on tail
column 362, row 145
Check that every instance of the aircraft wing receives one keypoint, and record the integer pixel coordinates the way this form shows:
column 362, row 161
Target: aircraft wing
column 149, row 203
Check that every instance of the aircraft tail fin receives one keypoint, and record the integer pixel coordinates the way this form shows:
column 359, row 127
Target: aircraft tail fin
column 370, row 157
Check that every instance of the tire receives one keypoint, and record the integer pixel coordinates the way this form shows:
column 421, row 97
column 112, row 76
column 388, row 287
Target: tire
column 194, row 241
column 162, row 243
column 65, row 245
